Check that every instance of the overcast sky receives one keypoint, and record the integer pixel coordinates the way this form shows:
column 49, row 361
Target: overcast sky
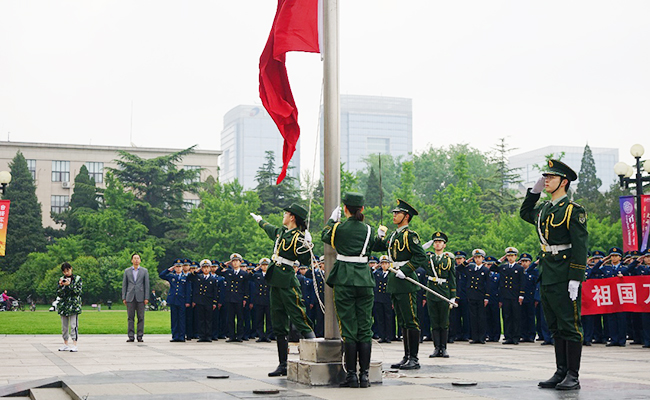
column 537, row 73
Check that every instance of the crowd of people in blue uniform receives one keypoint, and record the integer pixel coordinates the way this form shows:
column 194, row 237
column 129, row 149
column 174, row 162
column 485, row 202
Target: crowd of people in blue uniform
column 214, row 300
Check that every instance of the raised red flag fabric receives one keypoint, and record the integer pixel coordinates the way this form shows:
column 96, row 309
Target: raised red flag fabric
column 618, row 294
column 295, row 28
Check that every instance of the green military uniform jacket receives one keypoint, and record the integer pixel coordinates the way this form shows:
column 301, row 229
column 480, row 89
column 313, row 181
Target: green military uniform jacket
column 445, row 268
column 348, row 239
column 288, row 244
column 560, row 224
column 403, row 245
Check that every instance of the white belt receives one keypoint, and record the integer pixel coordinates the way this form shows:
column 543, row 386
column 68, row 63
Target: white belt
column 353, row 259
column 282, row 260
column 399, row 264
column 554, row 248
column 436, row 280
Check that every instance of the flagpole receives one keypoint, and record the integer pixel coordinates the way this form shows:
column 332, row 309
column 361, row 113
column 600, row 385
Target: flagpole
column 332, row 144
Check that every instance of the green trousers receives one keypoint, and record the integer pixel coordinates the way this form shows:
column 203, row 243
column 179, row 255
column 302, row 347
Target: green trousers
column 354, row 312
column 405, row 306
column 287, row 305
column 561, row 313
column 438, row 314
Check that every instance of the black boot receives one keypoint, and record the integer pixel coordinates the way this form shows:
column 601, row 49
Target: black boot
column 561, row 364
column 414, row 344
column 364, row 363
column 444, row 333
column 283, row 346
column 351, row 379
column 574, row 353
column 309, row 335
column 436, row 343
column 406, row 349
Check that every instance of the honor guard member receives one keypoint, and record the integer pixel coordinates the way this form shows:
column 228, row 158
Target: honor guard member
column 373, row 262
column 291, row 244
column 204, row 300
column 477, row 294
column 382, row 308
column 316, row 315
column 459, row 316
column 641, row 267
column 593, row 324
column 611, row 267
column 406, row 253
column 635, row 332
column 352, row 285
column 531, row 276
column 493, row 312
column 178, row 298
column 221, row 285
column 260, row 297
column 248, row 331
column 511, row 295
column 237, row 287
column 562, row 229
column 189, row 312
column 441, row 278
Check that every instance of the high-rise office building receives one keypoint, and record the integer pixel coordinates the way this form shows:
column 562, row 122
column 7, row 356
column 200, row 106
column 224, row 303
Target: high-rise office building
column 248, row 132
column 371, row 125
column 526, row 163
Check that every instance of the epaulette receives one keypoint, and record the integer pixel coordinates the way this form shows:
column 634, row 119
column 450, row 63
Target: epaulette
column 576, row 204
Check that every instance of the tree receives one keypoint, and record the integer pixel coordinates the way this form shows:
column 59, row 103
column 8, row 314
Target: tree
column 498, row 197
column 274, row 198
column 374, row 192
column 587, row 192
column 406, row 190
column 25, row 232
column 348, row 180
column 83, row 200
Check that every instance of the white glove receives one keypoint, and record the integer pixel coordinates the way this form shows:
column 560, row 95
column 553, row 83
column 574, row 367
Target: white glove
column 427, row 244
column 336, row 214
column 307, row 237
column 574, row 286
column 539, row 186
column 381, row 231
column 256, row 217
column 400, row 274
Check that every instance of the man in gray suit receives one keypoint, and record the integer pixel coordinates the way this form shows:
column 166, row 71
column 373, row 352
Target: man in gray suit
column 135, row 295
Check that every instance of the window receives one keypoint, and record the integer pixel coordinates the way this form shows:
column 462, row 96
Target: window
column 378, row 145
column 197, row 178
column 96, row 171
column 31, row 165
column 191, row 204
column 60, row 171
column 59, row 204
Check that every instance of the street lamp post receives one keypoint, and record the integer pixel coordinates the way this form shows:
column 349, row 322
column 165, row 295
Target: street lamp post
column 5, row 178
column 625, row 174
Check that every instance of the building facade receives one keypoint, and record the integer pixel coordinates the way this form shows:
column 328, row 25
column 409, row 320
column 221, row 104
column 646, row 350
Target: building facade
column 526, row 163
column 372, row 125
column 248, row 133
column 54, row 167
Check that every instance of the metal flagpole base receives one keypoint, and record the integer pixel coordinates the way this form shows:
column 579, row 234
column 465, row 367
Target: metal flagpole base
column 320, row 364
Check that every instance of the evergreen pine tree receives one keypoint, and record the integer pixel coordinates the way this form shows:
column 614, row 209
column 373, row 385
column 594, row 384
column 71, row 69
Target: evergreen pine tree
column 25, row 225
column 274, row 197
column 498, row 197
column 588, row 182
column 83, row 200
column 373, row 190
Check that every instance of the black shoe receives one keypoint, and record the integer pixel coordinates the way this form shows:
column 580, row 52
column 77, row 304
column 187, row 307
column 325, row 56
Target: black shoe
column 586, row 344
column 646, row 346
column 283, row 347
column 546, row 343
column 477, row 342
column 232, row 340
column 188, row 339
column 557, row 377
column 508, row 341
column 443, row 343
column 414, row 343
column 611, row 344
column 260, row 340
column 350, row 358
column 364, row 350
column 436, row 353
column 561, row 362
column 176, row 340
column 406, row 351
column 140, row 340
column 204, row 341
column 281, row 370
column 570, row 382
column 129, row 340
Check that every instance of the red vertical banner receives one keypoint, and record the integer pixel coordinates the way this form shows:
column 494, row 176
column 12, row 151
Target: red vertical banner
column 4, row 217
column 645, row 220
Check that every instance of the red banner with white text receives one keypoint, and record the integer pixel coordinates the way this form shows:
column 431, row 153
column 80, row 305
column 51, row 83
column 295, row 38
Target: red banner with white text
column 4, row 217
column 618, row 294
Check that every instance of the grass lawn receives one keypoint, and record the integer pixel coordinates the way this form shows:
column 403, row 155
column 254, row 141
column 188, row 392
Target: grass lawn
column 91, row 321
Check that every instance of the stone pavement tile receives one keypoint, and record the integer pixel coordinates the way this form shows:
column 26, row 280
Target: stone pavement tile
column 175, row 387
column 120, row 389
column 233, row 385
column 169, row 396
column 380, row 392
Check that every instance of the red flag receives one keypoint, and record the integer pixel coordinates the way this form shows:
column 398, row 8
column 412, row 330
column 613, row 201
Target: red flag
column 295, row 28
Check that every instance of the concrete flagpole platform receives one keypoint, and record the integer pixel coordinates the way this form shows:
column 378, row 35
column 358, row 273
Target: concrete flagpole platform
column 106, row 368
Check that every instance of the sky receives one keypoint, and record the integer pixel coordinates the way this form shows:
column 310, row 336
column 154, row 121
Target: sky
column 163, row 73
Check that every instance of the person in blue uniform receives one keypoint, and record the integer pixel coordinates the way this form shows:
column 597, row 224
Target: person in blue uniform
column 307, row 290
column 541, row 326
column 511, row 295
column 382, row 305
column 531, row 276
column 189, row 312
column 247, row 331
column 204, row 300
column 217, row 311
column 493, row 311
column 178, row 298
column 641, row 267
column 260, row 297
column 477, row 294
column 237, row 288
column 593, row 324
column 461, row 313
column 316, row 313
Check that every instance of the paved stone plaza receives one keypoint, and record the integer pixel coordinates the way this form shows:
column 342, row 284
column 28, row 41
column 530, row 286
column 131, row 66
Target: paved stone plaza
column 107, row 368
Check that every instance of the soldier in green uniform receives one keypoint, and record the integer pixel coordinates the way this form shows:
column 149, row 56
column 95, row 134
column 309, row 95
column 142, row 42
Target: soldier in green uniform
column 562, row 229
column 353, row 284
column 441, row 279
column 291, row 245
column 407, row 255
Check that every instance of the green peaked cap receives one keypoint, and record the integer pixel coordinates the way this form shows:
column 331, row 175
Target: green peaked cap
column 403, row 206
column 556, row 167
column 297, row 210
column 353, row 199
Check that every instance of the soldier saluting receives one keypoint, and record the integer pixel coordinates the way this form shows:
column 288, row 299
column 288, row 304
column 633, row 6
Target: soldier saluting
column 406, row 254
column 562, row 229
